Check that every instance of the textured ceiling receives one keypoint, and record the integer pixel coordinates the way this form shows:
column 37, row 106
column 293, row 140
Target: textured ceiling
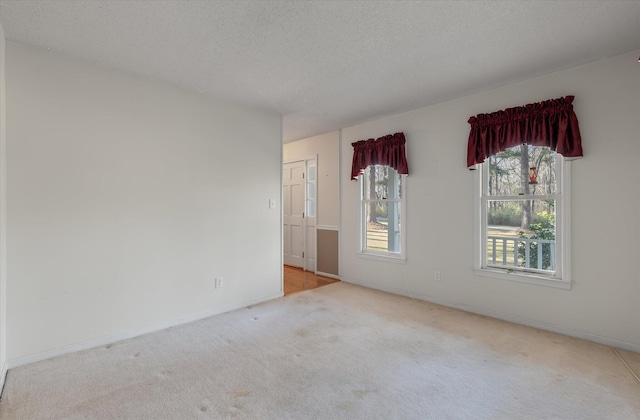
column 330, row 64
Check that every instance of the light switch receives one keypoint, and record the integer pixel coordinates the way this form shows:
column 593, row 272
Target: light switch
column 272, row 203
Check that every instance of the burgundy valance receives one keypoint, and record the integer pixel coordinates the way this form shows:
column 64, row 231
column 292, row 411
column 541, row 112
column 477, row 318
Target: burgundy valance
column 549, row 123
column 387, row 150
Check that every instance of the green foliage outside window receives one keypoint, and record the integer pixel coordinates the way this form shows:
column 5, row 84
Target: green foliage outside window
column 542, row 228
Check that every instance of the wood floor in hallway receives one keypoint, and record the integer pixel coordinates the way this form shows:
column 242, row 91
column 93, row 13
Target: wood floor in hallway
column 297, row 280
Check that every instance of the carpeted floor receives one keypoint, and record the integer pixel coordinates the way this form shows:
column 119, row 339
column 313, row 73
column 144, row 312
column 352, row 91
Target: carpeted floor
column 337, row 352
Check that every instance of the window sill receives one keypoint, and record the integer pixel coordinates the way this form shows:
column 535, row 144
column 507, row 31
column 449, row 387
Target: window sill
column 539, row 280
column 382, row 257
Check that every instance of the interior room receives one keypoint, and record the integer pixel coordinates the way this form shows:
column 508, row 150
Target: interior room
column 165, row 165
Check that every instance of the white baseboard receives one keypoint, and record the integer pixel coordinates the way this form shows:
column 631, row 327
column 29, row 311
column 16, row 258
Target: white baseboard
column 102, row 341
column 607, row 341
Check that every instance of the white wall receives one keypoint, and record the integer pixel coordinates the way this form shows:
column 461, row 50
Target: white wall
column 126, row 197
column 3, row 216
column 604, row 302
column 326, row 147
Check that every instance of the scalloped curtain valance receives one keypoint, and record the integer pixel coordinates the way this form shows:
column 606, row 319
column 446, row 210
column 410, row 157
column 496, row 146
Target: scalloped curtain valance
column 388, row 150
column 549, row 123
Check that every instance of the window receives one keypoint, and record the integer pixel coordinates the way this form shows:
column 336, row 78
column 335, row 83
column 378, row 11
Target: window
column 382, row 213
column 311, row 191
column 522, row 216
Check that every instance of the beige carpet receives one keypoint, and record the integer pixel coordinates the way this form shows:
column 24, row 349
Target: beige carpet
column 337, row 352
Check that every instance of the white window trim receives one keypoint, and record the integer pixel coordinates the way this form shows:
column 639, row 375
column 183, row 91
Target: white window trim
column 380, row 256
column 393, row 257
column 562, row 277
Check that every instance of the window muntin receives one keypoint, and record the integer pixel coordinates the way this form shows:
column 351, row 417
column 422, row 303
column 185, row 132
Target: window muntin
column 521, row 217
column 382, row 212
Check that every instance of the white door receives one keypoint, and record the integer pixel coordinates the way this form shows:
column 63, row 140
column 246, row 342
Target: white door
column 293, row 186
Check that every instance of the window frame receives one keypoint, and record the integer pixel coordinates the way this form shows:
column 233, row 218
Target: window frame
column 387, row 256
column 561, row 278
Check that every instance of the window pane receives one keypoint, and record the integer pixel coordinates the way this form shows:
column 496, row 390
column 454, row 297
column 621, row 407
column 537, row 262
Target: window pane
column 311, row 208
column 507, row 178
column 521, row 233
column 381, row 183
column 311, row 191
column 312, row 174
column 382, row 226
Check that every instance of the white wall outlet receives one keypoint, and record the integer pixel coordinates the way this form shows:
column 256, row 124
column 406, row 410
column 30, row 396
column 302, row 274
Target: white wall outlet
column 218, row 281
column 436, row 275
